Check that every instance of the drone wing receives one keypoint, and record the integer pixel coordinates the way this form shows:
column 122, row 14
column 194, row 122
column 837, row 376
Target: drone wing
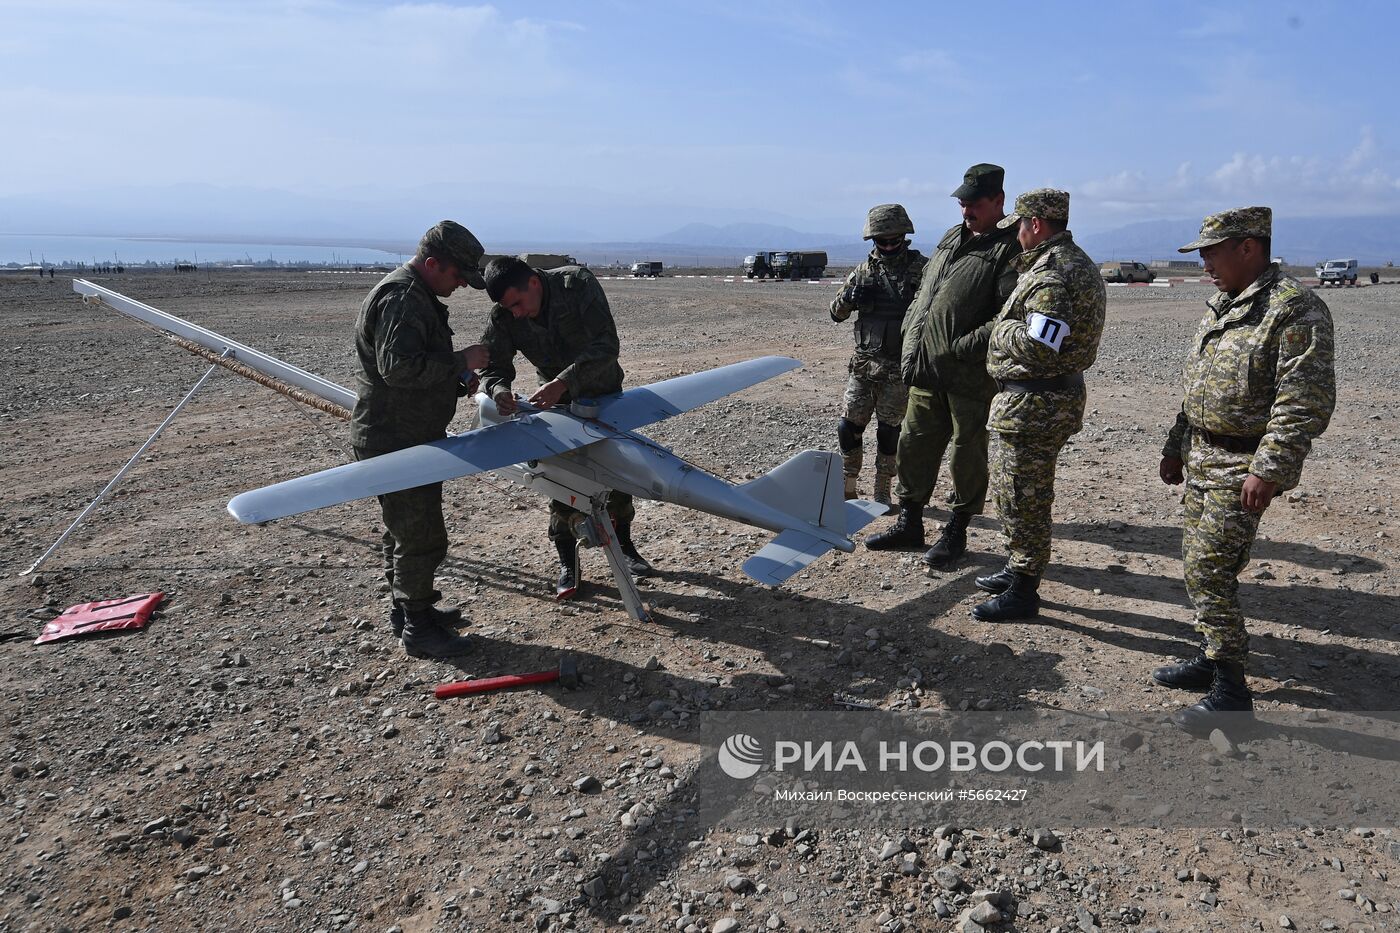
column 661, row 400
column 529, row 437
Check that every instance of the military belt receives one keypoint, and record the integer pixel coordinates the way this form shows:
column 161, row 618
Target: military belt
column 1230, row 442
column 1050, row 384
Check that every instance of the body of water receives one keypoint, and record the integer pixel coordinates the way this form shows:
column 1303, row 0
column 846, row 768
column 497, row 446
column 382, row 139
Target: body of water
column 23, row 249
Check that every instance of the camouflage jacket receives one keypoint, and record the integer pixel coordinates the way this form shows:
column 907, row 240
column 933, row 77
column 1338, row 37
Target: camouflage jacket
column 1259, row 367
column 408, row 380
column 573, row 338
column 948, row 324
column 888, row 284
column 1058, row 282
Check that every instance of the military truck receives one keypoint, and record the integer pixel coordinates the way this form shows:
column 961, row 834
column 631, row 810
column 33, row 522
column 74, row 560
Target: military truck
column 759, row 265
column 795, row 264
column 650, row 269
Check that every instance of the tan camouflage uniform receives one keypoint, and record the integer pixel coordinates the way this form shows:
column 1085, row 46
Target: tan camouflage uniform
column 879, row 289
column 1260, row 371
column 1059, row 281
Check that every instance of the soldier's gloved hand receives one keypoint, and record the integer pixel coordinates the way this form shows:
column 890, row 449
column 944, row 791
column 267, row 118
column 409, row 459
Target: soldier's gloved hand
column 860, row 293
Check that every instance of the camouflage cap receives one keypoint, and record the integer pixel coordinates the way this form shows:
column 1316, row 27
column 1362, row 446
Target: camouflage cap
column 887, row 220
column 983, row 180
column 1045, row 203
column 453, row 242
column 1226, row 225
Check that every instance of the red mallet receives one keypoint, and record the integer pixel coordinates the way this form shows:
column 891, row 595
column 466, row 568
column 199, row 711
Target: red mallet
column 566, row 674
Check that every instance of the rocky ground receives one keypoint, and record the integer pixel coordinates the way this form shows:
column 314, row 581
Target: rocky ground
column 264, row 755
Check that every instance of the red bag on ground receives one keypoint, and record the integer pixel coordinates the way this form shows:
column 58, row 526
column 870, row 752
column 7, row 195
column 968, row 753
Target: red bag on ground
column 105, row 616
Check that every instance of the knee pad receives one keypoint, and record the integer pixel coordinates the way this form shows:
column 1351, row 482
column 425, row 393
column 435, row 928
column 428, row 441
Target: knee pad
column 886, row 437
column 849, row 434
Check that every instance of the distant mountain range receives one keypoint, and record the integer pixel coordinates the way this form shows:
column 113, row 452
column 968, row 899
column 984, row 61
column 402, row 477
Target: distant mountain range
column 1301, row 241
column 371, row 218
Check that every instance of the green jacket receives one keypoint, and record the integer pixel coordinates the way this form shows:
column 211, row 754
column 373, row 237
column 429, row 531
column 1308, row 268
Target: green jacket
column 408, row 380
column 947, row 327
column 573, row 338
column 1261, row 366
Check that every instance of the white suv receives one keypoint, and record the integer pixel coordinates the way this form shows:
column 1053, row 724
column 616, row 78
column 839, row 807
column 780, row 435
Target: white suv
column 1337, row 272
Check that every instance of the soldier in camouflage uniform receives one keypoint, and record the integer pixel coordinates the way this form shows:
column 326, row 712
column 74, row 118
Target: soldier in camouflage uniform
column 1259, row 388
column 560, row 321
column 1046, row 336
column 407, row 389
column 879, row 289
column 944, row 363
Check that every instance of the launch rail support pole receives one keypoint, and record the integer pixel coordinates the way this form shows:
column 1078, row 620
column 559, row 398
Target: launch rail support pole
column 123, row 471
column 603, row 528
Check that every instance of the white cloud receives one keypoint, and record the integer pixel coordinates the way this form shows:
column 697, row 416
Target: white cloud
column 1361, row 182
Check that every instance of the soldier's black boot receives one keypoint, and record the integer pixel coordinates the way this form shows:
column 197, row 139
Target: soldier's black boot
column 907, row 530
column 425, row 637
column 567, row 587
column 1229, row 693
column 1018, row 601
column 951, row 543
column 995, row 583
column 1197, row 673
column 636, row 563
column 445, row 617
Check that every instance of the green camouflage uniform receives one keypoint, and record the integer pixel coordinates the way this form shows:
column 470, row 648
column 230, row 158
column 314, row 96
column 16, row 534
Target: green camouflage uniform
column 572, row 339
column 408, row 385
column 1259, row 375
column 880, row 289
column 1060, row 282
column 944, row 363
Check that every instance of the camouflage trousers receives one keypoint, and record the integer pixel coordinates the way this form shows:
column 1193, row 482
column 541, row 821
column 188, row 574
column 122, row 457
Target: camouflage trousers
column 1023, row 490
column 871, row 390
column 620, row 508
column 880, row 394
column 1215, row 545
column 414, row 542
column 933, row 422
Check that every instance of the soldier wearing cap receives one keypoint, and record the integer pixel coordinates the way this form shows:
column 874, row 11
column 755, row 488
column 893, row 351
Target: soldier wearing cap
column 1259, row 387
column 1043, row 340
column 559, row 320
column 409, row 381
column 879, row 291
column 943, row 361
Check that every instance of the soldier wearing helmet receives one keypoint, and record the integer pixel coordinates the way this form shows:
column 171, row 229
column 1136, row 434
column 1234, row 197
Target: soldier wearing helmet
column 878, row 292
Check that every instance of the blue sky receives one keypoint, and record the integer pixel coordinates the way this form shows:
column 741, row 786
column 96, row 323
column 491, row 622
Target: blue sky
column 622, row 120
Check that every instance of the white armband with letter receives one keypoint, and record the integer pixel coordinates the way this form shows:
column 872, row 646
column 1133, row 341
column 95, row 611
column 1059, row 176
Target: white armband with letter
column 1047, row 330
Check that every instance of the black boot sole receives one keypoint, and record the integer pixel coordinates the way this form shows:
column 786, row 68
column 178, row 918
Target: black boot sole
column 997, row 614
column 1201, row 724
column 942, row 562
column 1203, row 684
column 909, row 545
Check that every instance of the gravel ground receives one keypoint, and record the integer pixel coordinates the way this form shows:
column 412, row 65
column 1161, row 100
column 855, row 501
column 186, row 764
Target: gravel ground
column 264, row 756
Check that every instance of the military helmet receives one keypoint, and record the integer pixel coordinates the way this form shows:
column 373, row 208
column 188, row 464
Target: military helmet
column 887, row 220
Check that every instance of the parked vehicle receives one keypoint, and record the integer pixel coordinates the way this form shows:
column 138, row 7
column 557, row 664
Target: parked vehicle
column 1337, row 272
column 1126, row 272
column 646, row 269
column 759, row 265
column 794, row 264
